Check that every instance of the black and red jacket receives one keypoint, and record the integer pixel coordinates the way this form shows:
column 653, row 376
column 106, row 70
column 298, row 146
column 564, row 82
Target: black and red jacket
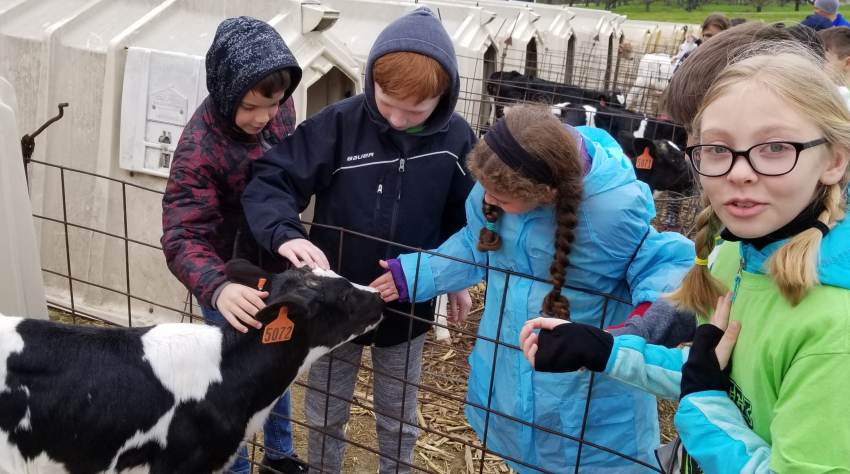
column 201, row 209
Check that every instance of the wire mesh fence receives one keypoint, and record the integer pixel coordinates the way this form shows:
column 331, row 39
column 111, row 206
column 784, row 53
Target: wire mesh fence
column 627, row 85
column 444, row 442
column 589, row 84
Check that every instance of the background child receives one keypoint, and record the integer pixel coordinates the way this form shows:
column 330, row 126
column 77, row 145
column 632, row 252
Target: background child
column 387, row 163
column 837, row 43
column 566, row 209
column 713, row 25
column 250, row 76
column 785, row 260
column 826, row 10
column 688, row 86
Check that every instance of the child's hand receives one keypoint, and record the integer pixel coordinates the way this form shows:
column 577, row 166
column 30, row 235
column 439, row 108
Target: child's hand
column 239, row 304
column 528, row 338
column 385, row 284
column 459, row 304
column 723, row 351
column 302, row 252
column 563, row 346
column 708, row 360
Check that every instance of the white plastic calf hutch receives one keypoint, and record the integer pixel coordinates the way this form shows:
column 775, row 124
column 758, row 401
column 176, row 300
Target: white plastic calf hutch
column 477, row 52
column 551, row 53
column 584, row 40
column 21, row 288
column 666, row 38
column 76, row 51
column 599, row 35
column 518, row 36
column 640, row 36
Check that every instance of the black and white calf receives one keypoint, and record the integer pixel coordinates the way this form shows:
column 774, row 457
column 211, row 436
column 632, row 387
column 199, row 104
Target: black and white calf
column 170, row 398
column 511, row 87
column 662, row 165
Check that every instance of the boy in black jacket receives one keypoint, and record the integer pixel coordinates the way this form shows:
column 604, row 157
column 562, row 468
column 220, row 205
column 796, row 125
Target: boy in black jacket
column 387, row 163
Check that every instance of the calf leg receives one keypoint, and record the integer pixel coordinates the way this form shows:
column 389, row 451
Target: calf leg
column 394, row 400
column 327, row 452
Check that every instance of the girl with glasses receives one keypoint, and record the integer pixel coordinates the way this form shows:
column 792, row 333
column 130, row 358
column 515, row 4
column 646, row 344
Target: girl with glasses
column 773, row 163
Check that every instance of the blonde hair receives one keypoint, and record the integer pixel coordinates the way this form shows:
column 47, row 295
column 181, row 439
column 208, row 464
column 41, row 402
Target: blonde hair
column 793, row 73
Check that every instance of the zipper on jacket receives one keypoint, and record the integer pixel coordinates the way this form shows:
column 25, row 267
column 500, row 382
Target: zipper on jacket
column 397, row 202
column 737, row 280
column 380, row 195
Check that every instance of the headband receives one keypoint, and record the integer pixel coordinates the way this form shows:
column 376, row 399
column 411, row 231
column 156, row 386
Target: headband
column 505, row 146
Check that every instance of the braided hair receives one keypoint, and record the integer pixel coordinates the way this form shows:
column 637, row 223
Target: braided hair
column 545, row 139
column 488, row 238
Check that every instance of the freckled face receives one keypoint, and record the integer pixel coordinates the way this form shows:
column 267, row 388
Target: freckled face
column 404, row 114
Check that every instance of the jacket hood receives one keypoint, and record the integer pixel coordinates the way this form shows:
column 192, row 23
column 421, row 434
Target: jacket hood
column 834, row 256
column 817, row 22
column 610, row 167
column 244, row 51
column 418, row 32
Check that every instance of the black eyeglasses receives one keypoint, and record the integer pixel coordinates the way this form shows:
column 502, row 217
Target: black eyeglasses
column 766, row 159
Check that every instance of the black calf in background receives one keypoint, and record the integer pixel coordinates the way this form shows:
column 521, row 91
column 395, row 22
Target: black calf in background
column 662, row 165
column 509, row 87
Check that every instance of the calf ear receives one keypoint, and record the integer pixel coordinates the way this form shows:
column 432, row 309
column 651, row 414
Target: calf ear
column 246, row 273
column 298, row 307
column 269, row 313
column 643, row 143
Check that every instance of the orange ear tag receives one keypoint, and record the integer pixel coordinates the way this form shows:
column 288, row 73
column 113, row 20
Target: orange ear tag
column 280, row 329
column 261, row 283
column 644, row 161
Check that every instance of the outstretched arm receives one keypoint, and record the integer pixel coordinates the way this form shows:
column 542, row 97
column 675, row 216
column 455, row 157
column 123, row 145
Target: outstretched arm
column 562, row 346
column 281, row 185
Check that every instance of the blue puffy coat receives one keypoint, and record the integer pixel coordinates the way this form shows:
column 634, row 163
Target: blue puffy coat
column 615, row 252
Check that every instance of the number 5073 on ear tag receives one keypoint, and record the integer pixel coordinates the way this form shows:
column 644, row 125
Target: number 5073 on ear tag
column 280, row 329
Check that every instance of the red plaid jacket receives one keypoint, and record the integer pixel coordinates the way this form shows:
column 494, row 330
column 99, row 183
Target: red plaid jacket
column 201, row 209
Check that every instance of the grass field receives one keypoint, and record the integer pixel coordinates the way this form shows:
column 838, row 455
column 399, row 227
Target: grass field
column 659, row 11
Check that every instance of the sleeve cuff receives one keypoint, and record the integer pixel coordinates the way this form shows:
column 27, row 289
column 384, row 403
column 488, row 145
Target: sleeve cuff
column 398, row 278
column 215, row 294
column 638, row 312
column 284, row 236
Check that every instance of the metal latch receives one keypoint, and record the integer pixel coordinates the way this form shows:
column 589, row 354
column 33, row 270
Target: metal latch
column 28, row 141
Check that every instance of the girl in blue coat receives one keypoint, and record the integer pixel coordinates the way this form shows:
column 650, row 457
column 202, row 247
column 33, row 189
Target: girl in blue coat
column 562, row 222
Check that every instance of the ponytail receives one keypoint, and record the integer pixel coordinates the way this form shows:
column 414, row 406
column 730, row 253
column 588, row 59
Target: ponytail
column 794, row 266
column 699, row 289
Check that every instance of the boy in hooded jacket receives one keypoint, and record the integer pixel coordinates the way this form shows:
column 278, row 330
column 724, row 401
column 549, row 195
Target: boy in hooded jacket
column 387, row 163
column 251, row 74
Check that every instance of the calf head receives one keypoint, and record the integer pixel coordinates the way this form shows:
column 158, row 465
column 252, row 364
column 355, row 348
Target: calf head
column 662, row 165
column 333, row 309
column 502, row 83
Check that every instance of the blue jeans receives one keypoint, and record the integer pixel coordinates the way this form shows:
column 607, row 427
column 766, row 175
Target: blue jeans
column 277, row 431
